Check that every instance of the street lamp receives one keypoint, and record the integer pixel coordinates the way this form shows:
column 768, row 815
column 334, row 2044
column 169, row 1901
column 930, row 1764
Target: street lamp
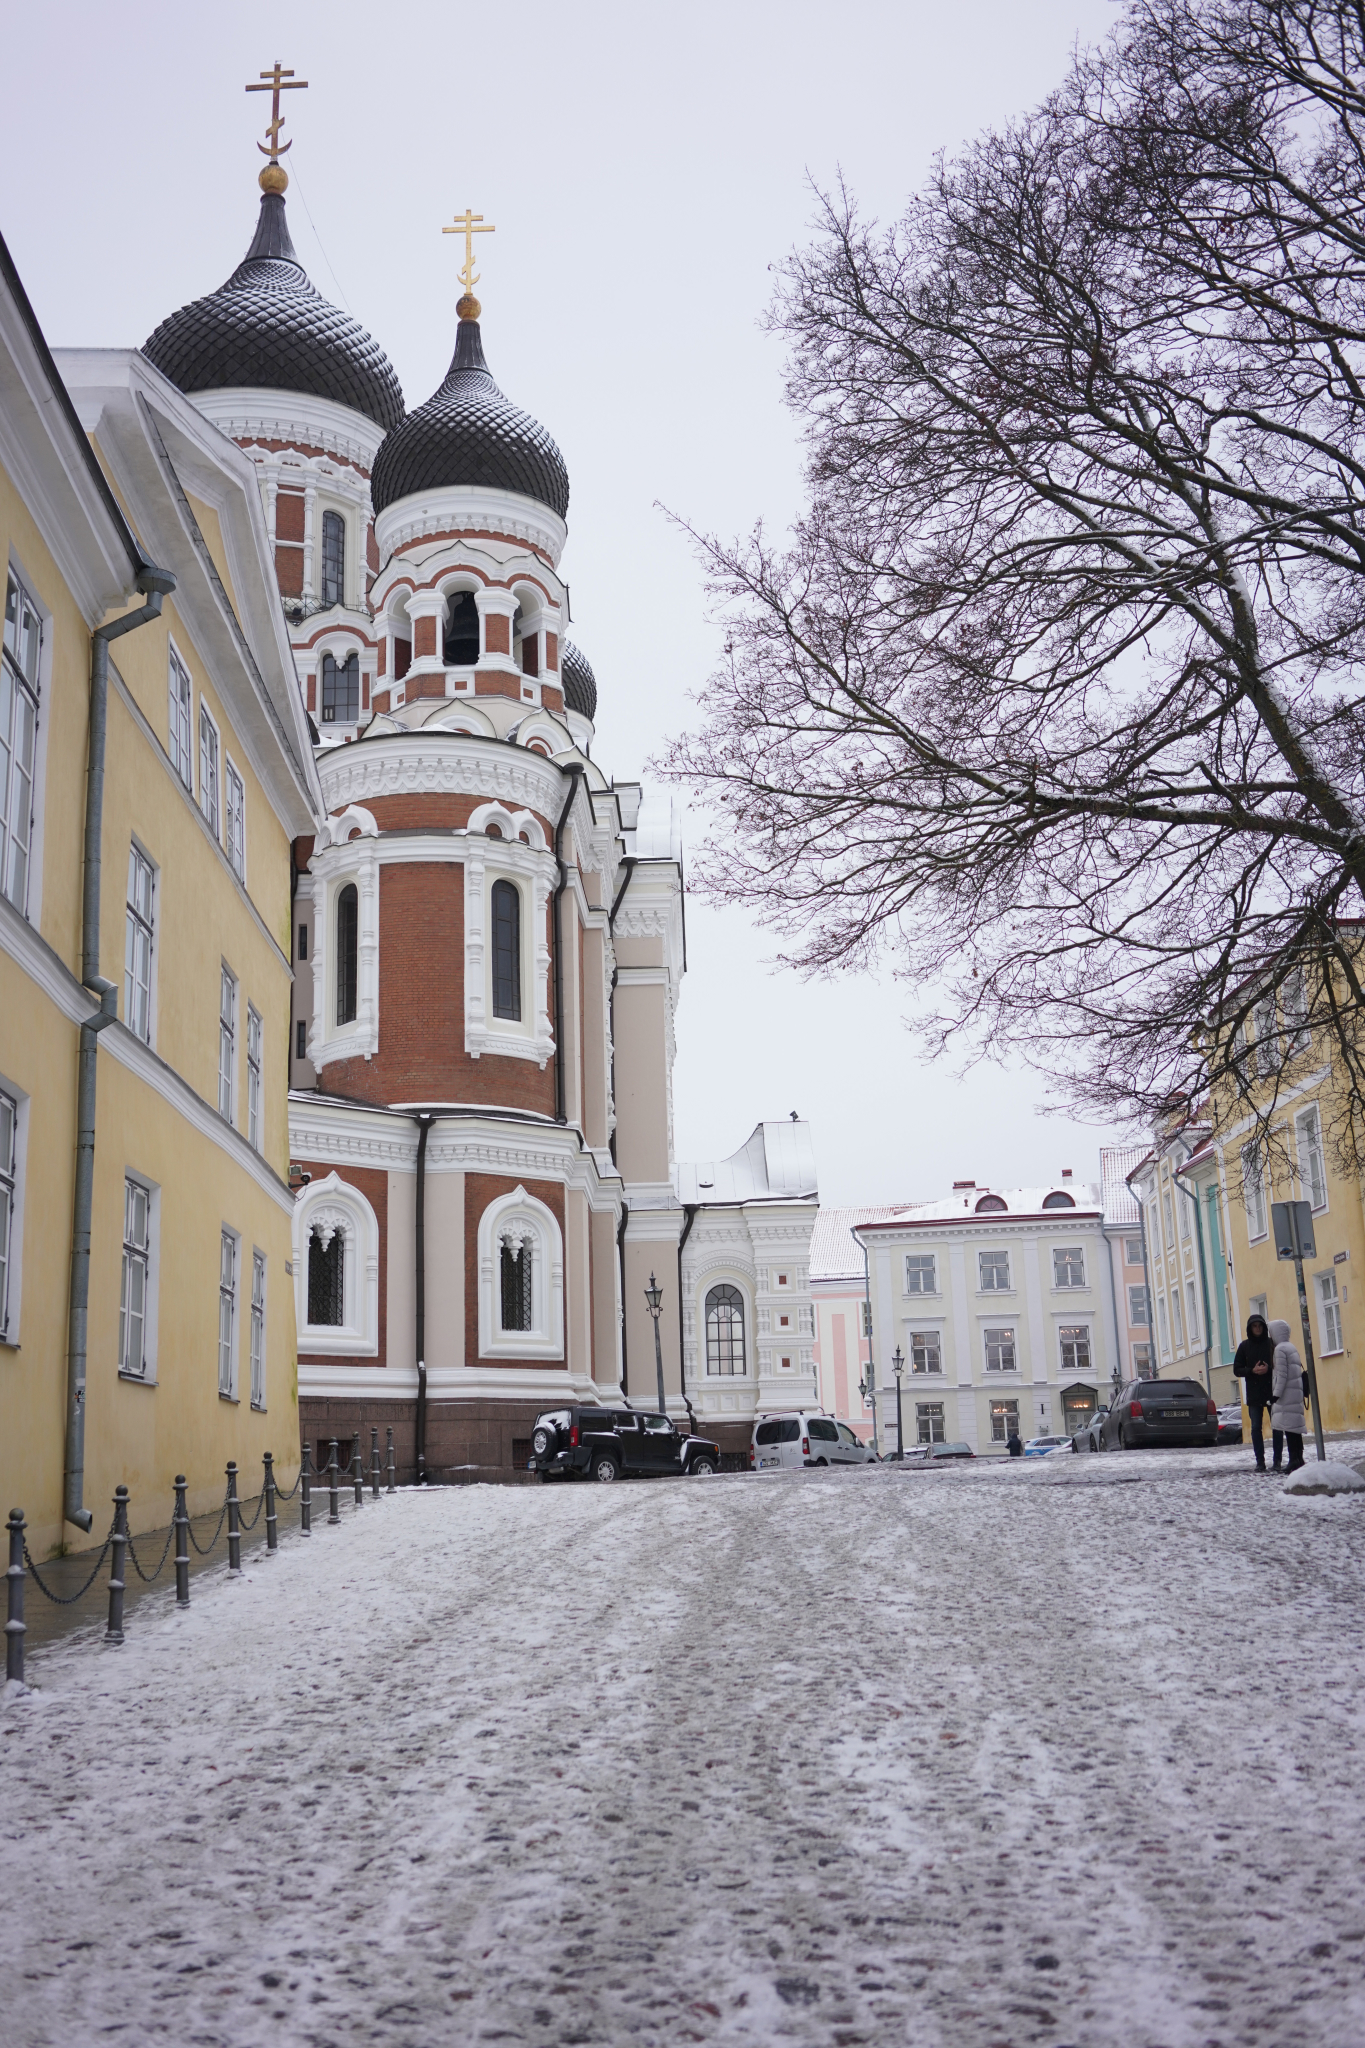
column 898, row 1368
column 654, row 1296
column 867, row 1387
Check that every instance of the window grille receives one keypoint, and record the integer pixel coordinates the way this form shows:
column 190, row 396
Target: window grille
column 254, row 1043
column 340, row 690
column 258, row 1329
column 1075, row 1343
column 929, row 1422
column 920, row 1277
column 182, row 722
column 1004, row 1421
column 137, row 1259
column 208, row 768
column 925, row 1353
column 348, row 953
column 227, row 1316
column 227, row 1041
column 515, row 1263
column 327, row 1278
column 999, row 1350
column 9, row 1195
column 137, row 949
column 1329, row 1308
column 1068, row 1266
column 18, row 739
column 301, row 1039
column 725, row 1331
column 333, row 559
column 236, row 823
column 995, row 1272
column 507, row 950
column 1312, row 1165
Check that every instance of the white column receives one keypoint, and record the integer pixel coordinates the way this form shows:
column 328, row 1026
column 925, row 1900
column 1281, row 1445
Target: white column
column 310, row 506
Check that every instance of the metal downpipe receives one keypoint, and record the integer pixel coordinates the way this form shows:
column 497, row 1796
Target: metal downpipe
column 575, row 777
column 424, row 1124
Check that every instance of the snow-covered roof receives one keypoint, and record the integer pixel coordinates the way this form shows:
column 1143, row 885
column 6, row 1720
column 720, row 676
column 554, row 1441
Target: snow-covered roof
column 777, row 1163
column 1120, row 1203
column 970, row 1198
column 835, row 1253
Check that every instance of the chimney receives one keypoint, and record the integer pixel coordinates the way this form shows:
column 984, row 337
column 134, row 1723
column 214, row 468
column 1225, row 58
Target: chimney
column 963, row 1184
column 1066, row 1173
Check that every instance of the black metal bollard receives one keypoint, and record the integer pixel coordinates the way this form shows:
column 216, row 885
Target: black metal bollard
column 234, row 1513
column 374, row 1464
column 272, row 1520
column 357, row 1471
column 182, row 1543
column 392, row 1486
column 14, row 1583
column 306, row 1492
column 114, row 1632
column 333, row 1507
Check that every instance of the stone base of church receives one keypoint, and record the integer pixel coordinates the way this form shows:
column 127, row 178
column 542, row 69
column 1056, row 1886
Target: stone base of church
column 468, row 1442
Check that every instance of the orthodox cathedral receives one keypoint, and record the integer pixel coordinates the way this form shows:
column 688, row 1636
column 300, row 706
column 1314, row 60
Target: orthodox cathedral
column 488, row 930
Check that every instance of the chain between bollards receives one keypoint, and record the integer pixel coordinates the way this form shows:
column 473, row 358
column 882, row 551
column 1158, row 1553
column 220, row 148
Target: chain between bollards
column 114, row 1632
column 234, row 1515
column 374, row 1464
column 181, row 1519
column 306, row 1492
column 272, row 1520
column 15, row 1630
column 357, row 1471
column 333, row 1504
column 392, row 1485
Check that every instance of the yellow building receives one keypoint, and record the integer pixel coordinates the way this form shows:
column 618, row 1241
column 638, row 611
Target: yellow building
column 155, row 768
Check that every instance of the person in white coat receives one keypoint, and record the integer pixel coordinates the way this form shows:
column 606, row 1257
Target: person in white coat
column 1286, row 1392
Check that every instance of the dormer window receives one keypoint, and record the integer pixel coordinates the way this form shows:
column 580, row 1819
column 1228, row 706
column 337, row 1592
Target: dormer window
column 1058, row 1201
column 333, row 559
column 340, row 689
column 462, row 631
column 991, row 1205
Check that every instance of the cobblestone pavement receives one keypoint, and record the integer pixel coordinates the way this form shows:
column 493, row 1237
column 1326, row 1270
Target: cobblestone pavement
column 1070, row 1753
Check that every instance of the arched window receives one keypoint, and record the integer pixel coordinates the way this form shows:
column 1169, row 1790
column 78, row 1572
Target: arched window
column 507, row 956
column 1058, row 1201
column 990, row 1205
column 348, row 952
column 515, row 1255
column 725, row 1330
column 462, row 631
column 326, row 1276
column 340, row 690
column 333, row 558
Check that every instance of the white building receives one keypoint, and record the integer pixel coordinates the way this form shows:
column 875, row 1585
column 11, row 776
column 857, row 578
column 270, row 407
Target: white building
column 1000, row 1302
column 1123, row 1233
column 838, row 1285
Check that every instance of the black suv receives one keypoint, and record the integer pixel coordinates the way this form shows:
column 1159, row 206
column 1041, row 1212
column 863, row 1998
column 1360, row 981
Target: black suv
column 616, row 1443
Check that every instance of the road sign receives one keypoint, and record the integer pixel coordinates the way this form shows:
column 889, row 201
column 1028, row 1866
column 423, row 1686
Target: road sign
column 1292, row 1223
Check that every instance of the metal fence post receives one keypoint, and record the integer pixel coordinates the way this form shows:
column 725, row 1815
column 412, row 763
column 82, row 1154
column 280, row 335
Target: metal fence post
column 357, row 1471
column 391, row 1487
column 306, row 1492
column 374, row 1463
column 14, row 1582
column 333, row 1508
column 114, row 1632
column 234, row 1513
column 272, row 1520
column 182, row 1543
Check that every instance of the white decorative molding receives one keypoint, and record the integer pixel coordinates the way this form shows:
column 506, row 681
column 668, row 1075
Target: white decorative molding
column 473, row 508
column 329, row 1208
column 337, row 830
column 429, row 761
column 329, row 872
column 245, row 414
column 486, row 861
column 519, row 1219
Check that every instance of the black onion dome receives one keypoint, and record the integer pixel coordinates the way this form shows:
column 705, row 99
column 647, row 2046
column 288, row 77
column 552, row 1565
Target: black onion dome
column 580, row 684
column 468, row 433
column 268, row 329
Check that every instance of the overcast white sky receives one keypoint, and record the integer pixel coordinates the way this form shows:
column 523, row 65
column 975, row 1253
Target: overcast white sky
column 645, row 167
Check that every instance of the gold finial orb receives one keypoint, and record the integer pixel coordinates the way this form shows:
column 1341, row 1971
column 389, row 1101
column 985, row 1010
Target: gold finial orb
column 468, row 307
column 274, row 178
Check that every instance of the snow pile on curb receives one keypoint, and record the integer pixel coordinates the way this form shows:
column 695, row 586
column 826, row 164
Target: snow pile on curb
column 1329, row 1478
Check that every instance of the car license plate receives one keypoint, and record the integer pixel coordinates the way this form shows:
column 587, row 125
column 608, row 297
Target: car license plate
column 768, row 1461
column 1179, row 1414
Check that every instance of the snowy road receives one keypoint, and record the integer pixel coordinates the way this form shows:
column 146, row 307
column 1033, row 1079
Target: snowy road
column 1009, row 1756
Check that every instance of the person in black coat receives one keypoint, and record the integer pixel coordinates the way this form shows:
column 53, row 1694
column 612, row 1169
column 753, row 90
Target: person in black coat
column 1014, row 1444
column 1255, row 1363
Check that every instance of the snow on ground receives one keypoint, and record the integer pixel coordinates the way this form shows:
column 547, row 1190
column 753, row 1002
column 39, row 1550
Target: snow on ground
column 1069, row 1753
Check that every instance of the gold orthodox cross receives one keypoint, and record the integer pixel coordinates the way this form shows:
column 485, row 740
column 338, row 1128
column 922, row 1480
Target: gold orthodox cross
column 468, row 224
column 275, row 82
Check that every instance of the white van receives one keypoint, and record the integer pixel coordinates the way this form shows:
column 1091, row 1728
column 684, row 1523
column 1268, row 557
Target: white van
column 800, row 1440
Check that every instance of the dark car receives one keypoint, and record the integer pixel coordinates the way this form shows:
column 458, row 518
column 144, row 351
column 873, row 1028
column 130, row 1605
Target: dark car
column 1148, row 1412
column 616, row 1443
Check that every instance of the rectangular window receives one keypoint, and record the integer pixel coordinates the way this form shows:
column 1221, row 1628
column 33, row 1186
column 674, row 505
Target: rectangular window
column 208, row 767
column 920, row 1277
column 1170, row 1220
column 1075, row 1347
column 333, row 559
column 1177, row 1325
column 1296, row 1011
column 1139, row 1312
column 1068, row 1267
column 1312, row 1165
column 19, row 670
column 1004, row 1421
column 303, row 942
column 507, row 951
column 227, row 1317
column 929, row 1422
column 227, row 1042
column 1192, row 1314
column 236, row 823
column 254, row 1037
column 867, row 1319
column 1263, row 1026
column 137, row 948
column 182, row 722
column 1253, row 1192
column 9, row 1196
column 1142, row 1359
column 1258, row 1308
column 925, row 1355
column 1329, row 1312
column 1182, row 1205
column 1162, row 1327
column 999, row 1350
column 995, row 1272
column 137, row 1261
column 1132, row 1251
column 301, row 1039
column 258, row 1329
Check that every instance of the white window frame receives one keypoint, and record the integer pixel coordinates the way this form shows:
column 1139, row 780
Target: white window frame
column 1263, row 1024
column 1331, row 1340
column 1312, row 1159
column 12, row 1180
column 1132, row 1252
column 255, row 1097
column 139, row 998
column 1000, row 1411
column 1295, row 1008
column 1182, row 1210
column 210, row 767
column 1005, row 1340
column 1078, row 1336
column 1193, row 1319
column 531, row 866
column 1137, row 1299
column 1255, row 1207
column 25, row 688
column 1163, row 1327
column 228, row 991
column 1069, row 1253
column 535, row 1224
column 994, row 1286
column 1168, row 1216
column 234, row 818
column 928, row 1415
column 927, row 1344
column 1177, row 1318
column 229, row 1287
column 180, row 695
column 144, row 1370
column 327, row 1206
column 258, row 1278
column 919, row 1268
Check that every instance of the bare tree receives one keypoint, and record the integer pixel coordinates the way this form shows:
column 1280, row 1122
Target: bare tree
column 1054, row 692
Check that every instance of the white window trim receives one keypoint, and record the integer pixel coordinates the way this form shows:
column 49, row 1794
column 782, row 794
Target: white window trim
column 214, row 823
column 1302, row 1117
column 545, row 1338
column 533, row 868
column 1139, row 1287
column 995, row 1373
column 350, row 860
column 10, row 1340
column 175, row 659
column 155, row 950
column 1326, row 1350
column 258, row 1257
column 333, row 1204
column 229, row 1115
column 230, row 1392
column 149, row 1324
column 33, row 912
column 1252, row 1153
column 256, row 1140
column 230, row 770
column 989, row 1252
column 930, row 1293
column 1081, row 1286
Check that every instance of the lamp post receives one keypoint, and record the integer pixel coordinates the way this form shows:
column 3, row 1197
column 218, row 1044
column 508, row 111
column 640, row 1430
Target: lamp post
column 898, row 1368
column 654, row 1296
column 867, row 1387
